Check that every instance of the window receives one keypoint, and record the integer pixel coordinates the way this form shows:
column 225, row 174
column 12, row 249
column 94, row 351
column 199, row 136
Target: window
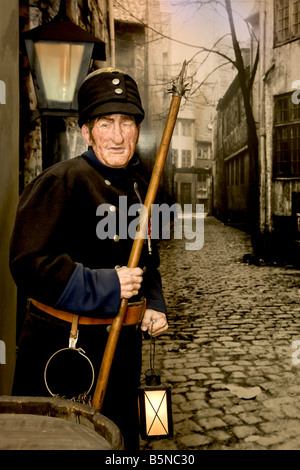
column 242, row 174
column 232, row 115
column 125, row 53
column 287, row 20
column 203, row 151
column 201, row 178
column 287, row 137
column 175, row 157
column 235, row 171
column 296, row 18
column 200, row 152
column 201, row 184
column 227, row 174
column 186, row 128
column 186, row 158
column 231, row 172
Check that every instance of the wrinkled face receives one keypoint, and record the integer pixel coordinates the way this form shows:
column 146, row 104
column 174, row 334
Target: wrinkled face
column 113, row 138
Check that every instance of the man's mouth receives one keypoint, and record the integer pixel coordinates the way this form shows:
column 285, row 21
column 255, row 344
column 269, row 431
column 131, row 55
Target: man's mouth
column 116, row 149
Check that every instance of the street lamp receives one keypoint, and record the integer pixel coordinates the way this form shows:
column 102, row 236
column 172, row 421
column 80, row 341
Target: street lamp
column 59, row 54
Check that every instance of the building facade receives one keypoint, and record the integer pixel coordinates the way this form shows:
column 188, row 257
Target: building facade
column 279, row 124
column 231, row 159
column 192, row 158
column 141, row 48
column 192, row 144
column 276, row 109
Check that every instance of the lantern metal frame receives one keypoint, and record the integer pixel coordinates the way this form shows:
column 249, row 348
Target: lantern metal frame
column 145, row 430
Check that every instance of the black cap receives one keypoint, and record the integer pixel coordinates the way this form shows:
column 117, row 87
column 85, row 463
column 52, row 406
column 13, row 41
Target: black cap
column 109, row 91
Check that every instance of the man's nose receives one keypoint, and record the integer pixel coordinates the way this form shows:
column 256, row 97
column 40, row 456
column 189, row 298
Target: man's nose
column 117, row 133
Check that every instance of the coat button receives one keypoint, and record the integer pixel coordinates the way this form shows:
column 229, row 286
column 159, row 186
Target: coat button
column 115, row 81
column 116, row 238
column 118, row 91
column 107, row 182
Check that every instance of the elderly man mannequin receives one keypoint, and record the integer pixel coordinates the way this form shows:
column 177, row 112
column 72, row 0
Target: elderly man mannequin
column 66, row 267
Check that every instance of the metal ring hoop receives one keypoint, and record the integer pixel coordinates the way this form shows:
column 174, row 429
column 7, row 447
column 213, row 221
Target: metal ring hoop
column 82, row 353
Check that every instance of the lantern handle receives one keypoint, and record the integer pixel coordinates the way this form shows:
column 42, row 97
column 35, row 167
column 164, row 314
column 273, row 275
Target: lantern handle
column 152, row 347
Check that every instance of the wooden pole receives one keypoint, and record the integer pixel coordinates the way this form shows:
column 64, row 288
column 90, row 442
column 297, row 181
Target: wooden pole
column 137, row 246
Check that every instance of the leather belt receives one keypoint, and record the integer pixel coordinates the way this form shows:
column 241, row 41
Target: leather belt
column 133, row 316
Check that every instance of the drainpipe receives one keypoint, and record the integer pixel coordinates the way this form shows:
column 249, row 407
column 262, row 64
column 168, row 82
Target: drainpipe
column 268, row 163
column 112, row 33
column 147, row 78
column 263, row 152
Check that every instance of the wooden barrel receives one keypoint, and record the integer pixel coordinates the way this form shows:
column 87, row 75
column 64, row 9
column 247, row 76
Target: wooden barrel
column 41, row 423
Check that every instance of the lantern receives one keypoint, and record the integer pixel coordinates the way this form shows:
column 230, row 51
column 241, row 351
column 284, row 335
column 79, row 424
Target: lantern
column 155, row 408
column 60, row 54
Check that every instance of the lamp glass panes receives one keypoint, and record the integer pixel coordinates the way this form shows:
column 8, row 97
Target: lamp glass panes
column 155, row 411
column 59, row 67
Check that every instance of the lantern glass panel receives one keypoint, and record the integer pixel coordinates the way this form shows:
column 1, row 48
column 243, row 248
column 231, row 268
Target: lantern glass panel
column 156, row 410
column 59, row 65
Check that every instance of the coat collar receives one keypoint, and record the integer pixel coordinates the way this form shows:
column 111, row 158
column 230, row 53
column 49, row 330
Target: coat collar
column 112, row 174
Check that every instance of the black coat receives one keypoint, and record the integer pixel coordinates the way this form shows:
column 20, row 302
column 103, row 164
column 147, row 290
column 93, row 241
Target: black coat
column 58, row 258
column 56, row 254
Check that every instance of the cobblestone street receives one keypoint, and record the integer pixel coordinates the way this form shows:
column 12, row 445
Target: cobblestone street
column 231, row 324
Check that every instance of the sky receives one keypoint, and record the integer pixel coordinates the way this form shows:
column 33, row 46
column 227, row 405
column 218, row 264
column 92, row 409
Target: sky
column 201, row 26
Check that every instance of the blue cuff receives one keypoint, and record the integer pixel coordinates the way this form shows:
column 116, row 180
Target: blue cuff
column 94, row 292
column 153, row 291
